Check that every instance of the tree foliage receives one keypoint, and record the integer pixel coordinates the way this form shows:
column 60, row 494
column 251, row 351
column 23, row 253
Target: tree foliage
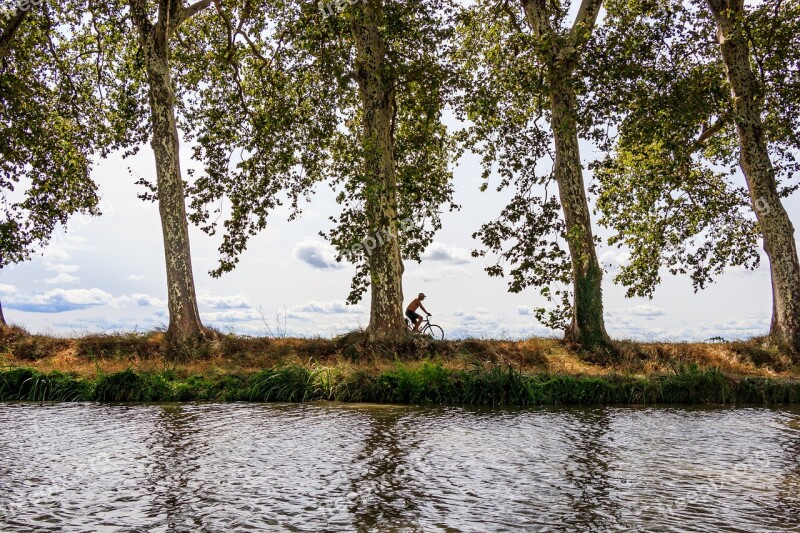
column 670, row 187
column 298, row 123
column 52, row 125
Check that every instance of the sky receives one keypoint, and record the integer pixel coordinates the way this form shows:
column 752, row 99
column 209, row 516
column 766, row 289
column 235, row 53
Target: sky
column 107, row 274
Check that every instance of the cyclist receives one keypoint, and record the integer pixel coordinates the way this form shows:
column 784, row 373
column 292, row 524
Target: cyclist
column 411, row 311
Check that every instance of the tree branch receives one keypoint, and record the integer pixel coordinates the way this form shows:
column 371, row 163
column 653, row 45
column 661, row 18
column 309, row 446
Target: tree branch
column 586, row 18
column 195, row 8
column 185, row 13
column 512, row 17
column 581, row 30
column 710, row 131
column 536, row 15
column 139, row 15
column 8, row 33
column 164, row 22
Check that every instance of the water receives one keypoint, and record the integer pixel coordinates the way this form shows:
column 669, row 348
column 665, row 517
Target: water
column 330, row 467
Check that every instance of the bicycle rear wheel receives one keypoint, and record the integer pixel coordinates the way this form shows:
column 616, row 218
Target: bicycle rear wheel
column 435, row 332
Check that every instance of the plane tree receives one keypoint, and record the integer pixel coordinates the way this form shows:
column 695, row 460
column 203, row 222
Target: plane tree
column 527, row 67
column 139, row 47
column 353, row 99
column 701, row 94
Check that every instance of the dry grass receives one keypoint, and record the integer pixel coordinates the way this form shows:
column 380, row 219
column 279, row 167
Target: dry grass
column 754, row 357
column 92, row 355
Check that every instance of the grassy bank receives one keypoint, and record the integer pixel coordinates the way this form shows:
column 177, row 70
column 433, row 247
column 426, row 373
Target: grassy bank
column 428, row 383
column 137, row 367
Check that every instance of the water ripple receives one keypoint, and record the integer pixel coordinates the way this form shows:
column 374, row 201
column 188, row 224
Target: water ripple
column 329, row 467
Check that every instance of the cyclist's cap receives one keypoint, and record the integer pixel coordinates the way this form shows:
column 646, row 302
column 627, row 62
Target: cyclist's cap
column 422, row 295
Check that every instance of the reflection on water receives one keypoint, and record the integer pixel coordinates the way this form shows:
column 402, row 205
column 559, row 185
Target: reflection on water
column 329, row 467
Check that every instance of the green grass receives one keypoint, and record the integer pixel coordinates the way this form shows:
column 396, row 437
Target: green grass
column 428, row 383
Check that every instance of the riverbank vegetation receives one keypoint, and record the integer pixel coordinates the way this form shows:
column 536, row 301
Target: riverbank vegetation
column 136, row 367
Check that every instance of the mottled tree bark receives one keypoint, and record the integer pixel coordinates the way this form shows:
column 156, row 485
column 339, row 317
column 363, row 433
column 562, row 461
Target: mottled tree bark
column 776, row 227
column 184, row 318
column 560, row 56
column 2, row 317
column 588, row 326
column 376, row 85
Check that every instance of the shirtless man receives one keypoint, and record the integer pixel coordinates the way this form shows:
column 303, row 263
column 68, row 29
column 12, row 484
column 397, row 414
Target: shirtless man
column 411, row 311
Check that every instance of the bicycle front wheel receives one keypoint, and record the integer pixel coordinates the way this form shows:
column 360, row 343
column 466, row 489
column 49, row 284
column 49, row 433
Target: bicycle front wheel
column 435, row 332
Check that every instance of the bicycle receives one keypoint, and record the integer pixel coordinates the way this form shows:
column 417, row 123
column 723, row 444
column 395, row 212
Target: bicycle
column 426, row 328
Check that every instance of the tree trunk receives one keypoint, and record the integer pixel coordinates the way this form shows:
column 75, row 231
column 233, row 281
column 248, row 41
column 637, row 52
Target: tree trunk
column 588, row 326
column 380, row 189
column 184, row 318
column 2, row 318
column 776, row 227
column 560, row 58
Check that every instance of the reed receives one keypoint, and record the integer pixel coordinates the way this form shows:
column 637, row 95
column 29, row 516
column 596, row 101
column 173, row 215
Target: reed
column 428, row 382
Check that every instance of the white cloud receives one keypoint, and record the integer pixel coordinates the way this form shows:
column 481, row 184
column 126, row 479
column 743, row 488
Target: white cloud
column 762, row 270
column 729, row 329
column 145, row 300
column 525, row 310
column 480, row 329
column 7, row 289
column 62, row 277
column 450, row 254
column 480, row 315
column 90, row 325
column 61, row 245
column 136, row 277
column 63, row 271
column 60, row 267
column 224, row 302
column 56, row 253
column 316, row 254
column 327, row 308
column 232, row 315
column 433, row 274
column 645, row 310
column 613, row 259
column 61, row 300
